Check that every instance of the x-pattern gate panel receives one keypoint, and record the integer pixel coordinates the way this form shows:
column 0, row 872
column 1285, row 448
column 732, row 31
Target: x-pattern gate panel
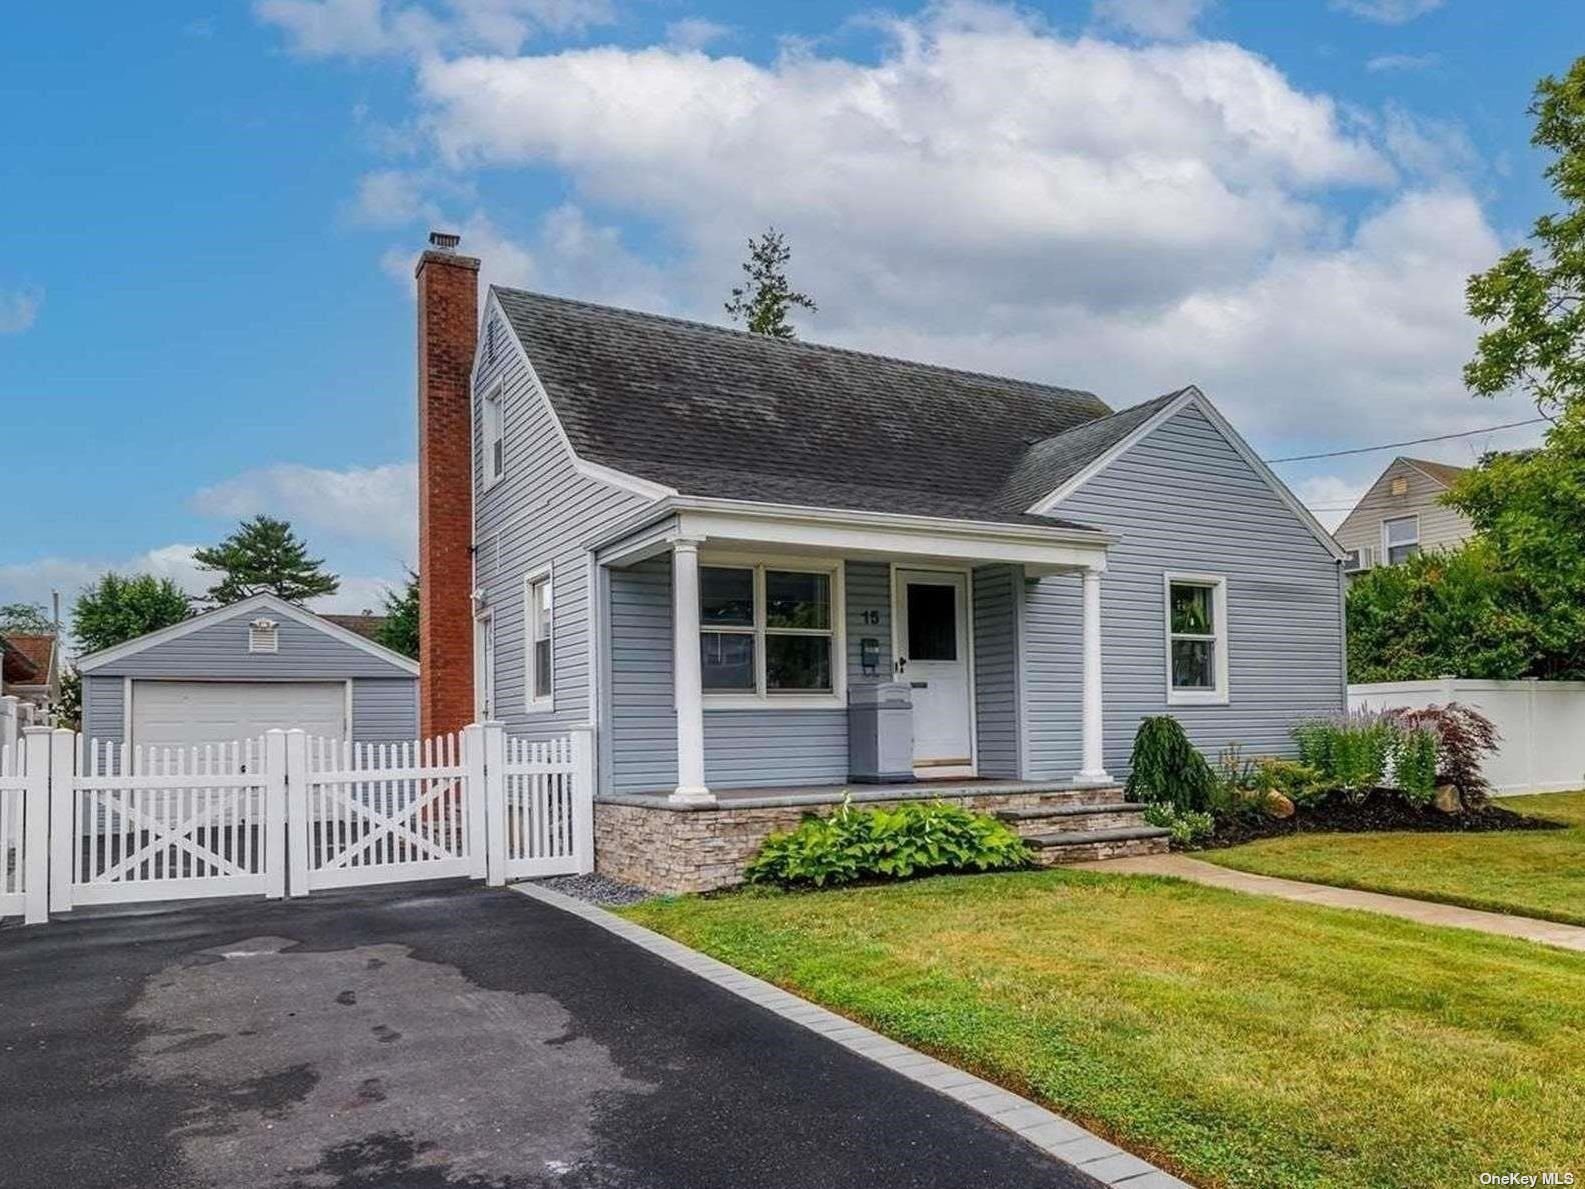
column 168, row 823
column 383, row 814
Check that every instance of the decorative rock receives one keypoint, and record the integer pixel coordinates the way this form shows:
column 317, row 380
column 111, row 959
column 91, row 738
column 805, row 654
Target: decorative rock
column 1447, row 799
column 1277, row 804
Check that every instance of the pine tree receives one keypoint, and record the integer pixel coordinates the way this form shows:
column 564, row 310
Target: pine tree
column 264, row 556
column 399, row 632
column 762, row 303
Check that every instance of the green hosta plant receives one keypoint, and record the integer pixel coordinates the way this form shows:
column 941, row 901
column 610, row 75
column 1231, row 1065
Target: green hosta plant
column 892, row 842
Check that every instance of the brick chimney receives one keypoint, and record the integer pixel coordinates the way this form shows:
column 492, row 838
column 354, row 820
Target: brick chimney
column 448, row 326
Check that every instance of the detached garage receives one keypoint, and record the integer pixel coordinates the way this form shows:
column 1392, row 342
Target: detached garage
column 244, row 669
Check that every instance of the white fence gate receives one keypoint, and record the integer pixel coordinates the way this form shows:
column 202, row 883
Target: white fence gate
column 547, row 826
column 24, row 828
column 383, row 813
column 97, row 823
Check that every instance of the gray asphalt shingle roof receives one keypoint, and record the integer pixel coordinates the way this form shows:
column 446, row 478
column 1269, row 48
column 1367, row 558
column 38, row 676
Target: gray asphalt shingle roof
column 721, row 413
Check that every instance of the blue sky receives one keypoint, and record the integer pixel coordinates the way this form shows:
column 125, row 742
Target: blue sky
column 210, row 211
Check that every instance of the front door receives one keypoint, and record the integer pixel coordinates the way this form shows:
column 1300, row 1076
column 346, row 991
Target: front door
column 933, row 658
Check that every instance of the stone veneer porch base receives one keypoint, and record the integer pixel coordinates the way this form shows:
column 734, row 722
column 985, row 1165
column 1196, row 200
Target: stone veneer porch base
column 647, row 842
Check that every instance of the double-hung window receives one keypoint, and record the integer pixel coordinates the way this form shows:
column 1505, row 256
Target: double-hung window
column 1400, row 539
column 768, row 632
column 494, row 435
column 1196, row 615
column 538, row 617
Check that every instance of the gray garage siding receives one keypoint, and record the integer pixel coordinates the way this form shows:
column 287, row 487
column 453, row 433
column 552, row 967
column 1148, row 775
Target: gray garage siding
column 384, row 695
column 1183, row 499
column 220, row 649
column 104, row 707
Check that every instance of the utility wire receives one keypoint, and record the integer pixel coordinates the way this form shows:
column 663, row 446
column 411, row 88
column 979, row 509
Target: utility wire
column 1443, row 437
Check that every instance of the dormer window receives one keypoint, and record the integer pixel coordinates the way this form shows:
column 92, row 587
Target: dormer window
column 264, row 636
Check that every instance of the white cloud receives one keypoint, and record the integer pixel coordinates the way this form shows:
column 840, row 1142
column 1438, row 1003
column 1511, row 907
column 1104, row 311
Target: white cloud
column 566, row 253
column 1402, row 62
column 974, row 150
column 1388, row 12
column 1169, row 20
column 695, row 33
column 19, row 309
column 376, row 505
column 367, row 28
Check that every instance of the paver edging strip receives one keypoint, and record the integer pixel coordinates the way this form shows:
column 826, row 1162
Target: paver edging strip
column 1031, row 1122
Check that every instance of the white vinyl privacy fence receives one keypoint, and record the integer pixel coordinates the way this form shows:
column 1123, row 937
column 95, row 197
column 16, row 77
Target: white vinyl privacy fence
column 86, row 822
column 1542, row 725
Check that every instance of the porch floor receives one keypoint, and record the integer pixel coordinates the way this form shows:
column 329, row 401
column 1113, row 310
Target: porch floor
column 785, row 796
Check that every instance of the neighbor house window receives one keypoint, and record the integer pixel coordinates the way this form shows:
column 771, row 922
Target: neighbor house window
column 767, row 632
column 1400, row 539
column 1196, row 638
column 539, row 613
column 494, row 437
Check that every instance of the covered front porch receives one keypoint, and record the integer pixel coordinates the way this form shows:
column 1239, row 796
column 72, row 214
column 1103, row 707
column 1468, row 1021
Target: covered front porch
column 735, row 636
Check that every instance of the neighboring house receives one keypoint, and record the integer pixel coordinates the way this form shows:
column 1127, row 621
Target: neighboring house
column 238, row 671
column 366, row 623
column 1402, row 514
column 30, row 668
column 700, row 541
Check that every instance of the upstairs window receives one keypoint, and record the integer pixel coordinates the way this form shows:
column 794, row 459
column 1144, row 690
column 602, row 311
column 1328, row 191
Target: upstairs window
column 1196, row 614
column 1400, row 539
column 767, row 632
column 539, row 616
column 494, row 437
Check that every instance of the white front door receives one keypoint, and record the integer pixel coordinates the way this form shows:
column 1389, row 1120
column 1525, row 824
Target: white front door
column 933, row 658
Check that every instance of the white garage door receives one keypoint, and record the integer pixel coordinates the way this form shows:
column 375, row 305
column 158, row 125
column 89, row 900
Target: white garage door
column 169, row 713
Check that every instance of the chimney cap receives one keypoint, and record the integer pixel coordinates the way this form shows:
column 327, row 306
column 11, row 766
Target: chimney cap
column 445, row 241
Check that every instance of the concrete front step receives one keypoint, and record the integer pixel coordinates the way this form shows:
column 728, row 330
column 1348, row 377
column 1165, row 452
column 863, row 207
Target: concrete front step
column 1080, row 846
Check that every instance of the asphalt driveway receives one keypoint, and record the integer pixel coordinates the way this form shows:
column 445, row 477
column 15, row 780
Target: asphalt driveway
column 436, row 1036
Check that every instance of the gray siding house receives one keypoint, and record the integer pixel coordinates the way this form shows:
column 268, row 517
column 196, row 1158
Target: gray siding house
column 243, row 669
column 1402, row 514
column 701, row 542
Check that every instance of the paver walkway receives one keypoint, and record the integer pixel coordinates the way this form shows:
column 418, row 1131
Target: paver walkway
column 1570, row 937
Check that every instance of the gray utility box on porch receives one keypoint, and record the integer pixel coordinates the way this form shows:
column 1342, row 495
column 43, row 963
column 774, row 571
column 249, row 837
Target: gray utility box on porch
column 880, row 733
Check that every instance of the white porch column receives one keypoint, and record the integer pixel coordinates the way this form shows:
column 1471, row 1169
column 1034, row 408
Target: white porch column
column 689, row 683
column 1094, row 769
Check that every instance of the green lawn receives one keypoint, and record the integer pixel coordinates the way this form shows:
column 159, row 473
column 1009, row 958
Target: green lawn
column 1531, row 872
column 1237, row 1039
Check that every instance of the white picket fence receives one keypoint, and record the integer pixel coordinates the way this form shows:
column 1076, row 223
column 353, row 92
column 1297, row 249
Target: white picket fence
column 85, row 822
column 21, row 804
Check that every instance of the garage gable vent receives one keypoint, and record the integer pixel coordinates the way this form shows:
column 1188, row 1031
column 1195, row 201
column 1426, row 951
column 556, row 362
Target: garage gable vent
column 264, row 636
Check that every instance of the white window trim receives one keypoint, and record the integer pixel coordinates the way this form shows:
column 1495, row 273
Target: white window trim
column 484, row 674
column 762, row 699
column 535, row 702
column 494, row 398
column 1386, row 549
column 1218, row 585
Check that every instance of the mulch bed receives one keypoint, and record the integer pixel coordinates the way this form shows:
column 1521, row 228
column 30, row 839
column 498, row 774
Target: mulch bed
column 1377, row 814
